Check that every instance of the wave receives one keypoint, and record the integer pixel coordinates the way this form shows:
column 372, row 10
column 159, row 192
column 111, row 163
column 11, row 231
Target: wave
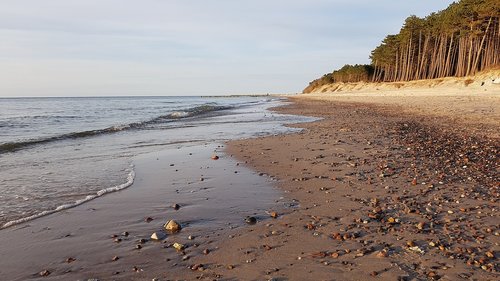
column 129, row 182
column 189, row 112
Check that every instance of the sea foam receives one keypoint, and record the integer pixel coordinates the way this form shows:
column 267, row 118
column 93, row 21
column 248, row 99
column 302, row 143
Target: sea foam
column 129, row 182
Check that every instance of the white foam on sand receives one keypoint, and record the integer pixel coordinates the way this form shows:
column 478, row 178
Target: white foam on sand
column 129, row 182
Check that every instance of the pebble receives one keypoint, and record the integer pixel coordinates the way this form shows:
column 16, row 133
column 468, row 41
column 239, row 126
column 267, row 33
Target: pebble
column 420, row 225
column 382, row 254
column 178, row 246
column 267, row 247
column 176, row 206
column 172, row 226
column 115, row 258
column 250, row 220
column 44, row 273
column 197, row 267
column 157, row 236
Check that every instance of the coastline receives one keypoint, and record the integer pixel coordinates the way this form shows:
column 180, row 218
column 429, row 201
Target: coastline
column 383, row 194
column 81, row 243
column 358, row 198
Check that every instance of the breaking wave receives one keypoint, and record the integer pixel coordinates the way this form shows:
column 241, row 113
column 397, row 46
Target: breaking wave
column 190, row 112
column 129, row 182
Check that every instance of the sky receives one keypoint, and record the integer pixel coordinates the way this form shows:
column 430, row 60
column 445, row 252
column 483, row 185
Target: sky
column 187, row 47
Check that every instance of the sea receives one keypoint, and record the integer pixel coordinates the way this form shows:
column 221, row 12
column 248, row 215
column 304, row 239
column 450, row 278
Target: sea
column 57, row 153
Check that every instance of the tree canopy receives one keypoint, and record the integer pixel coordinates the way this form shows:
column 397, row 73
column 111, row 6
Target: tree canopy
column 458, row 41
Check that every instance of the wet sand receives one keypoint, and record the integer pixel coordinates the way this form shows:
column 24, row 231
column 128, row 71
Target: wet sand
column 81, row 243
column 383, row 195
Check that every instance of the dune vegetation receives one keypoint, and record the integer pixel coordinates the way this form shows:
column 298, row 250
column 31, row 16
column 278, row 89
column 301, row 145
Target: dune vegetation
column 459, row 41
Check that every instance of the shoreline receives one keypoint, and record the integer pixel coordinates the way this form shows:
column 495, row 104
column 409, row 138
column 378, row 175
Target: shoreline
column 358, row 198
column 382, row 194
column 102, row 238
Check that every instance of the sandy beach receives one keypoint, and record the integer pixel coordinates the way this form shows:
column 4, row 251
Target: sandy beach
column 109, row 238
column 259, row 140
column 377, row 189
column 384, row 193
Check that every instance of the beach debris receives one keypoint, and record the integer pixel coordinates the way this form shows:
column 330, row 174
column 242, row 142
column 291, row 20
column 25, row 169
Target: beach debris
column 178, row 246
column 148, row 219
column 250, row 220
column 172, row 226
column 230, row 266
column 206, row 251
column 176, row 206
column 117, row 240
column 125, row 233
column 44, row 273
column 190, row 237
column 115, row 258
column 158, row 236
column 215, row 157
column 142, row 240
column 138, row 246
column 70, row 260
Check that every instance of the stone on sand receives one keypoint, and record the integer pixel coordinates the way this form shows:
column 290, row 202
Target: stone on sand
column 158, row 236
column 172, row 226
column 178, row 246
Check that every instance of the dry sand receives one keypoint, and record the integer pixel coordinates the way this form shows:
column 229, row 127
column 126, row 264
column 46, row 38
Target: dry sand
column 477, row 103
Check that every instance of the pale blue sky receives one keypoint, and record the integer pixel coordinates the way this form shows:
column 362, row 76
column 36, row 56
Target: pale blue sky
column 187, row 47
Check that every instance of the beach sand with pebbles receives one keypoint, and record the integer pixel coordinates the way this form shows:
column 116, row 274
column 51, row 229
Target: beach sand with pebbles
column 378, row 189
column 385, row 191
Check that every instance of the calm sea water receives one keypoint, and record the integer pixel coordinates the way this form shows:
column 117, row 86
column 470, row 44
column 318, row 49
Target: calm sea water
column 56, row 153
